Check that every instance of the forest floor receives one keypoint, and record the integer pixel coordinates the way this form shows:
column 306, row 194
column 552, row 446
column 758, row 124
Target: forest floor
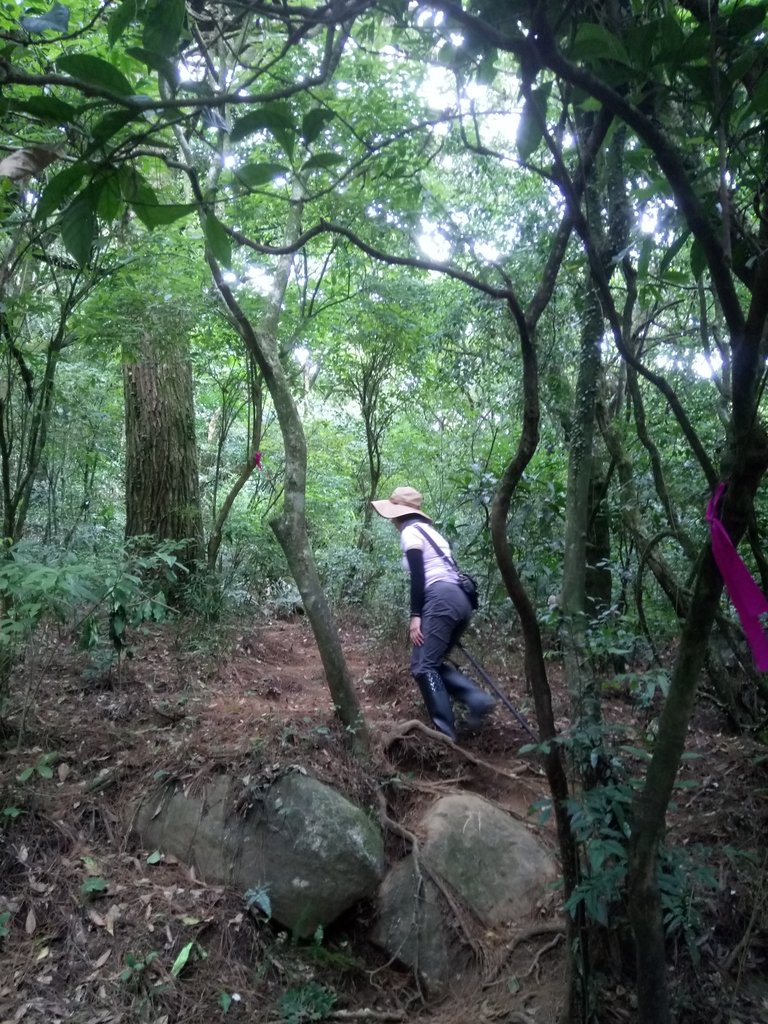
column 96, row 930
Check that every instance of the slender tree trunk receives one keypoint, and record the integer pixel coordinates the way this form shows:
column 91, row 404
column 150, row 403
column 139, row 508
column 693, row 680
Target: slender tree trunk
column 535, row 666
column 585, row 700
column 290, row 526
column 748, row 459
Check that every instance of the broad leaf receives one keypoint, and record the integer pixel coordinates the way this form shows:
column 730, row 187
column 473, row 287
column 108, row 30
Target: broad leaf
column 672, row 251
column 136, row 189
column 164, row 213
column 155, row 62
column 47, row 108
column 321, row 160
column 163, row 26
column 273, row 117
column 95, row 71
column 530, row 129
column 745, row 19
column 217, row 240
column 78, row 226
column 110, row 198
column 120, row 19
column 313, row 123
column 56, row 20
column 110, row 124
column 594, row 41
column 60, row 188
column 253, row 175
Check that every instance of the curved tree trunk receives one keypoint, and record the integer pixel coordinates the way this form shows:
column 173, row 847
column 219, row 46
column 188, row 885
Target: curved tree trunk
column 535, row 667
column 290, row 526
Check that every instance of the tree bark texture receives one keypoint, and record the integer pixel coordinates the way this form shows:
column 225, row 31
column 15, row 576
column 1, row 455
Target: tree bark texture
column 585, row 702
column 162, row 497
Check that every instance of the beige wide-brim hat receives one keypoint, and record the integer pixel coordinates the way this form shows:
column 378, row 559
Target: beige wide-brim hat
column 403, row 501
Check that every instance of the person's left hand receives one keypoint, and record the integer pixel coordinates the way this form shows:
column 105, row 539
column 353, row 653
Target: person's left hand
column 414, row 631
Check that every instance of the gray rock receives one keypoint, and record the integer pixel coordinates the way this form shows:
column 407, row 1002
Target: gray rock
column 490, row 861
column 303, row 844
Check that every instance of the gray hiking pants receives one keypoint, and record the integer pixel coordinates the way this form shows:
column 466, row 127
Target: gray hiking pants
column 444, row 618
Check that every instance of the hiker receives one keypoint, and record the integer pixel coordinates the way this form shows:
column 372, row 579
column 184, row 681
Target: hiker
column 440, row 612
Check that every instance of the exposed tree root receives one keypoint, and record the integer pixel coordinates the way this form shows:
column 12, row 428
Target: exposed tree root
column 420, row 869
column 414, row 725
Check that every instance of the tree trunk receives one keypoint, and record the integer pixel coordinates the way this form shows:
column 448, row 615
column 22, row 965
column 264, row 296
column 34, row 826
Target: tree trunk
column 161, row 492
column 290, row 526
column 535, row 666
column 585, row 700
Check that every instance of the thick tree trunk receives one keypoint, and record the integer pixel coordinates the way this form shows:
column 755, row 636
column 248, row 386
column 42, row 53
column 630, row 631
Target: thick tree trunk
column 162, row 497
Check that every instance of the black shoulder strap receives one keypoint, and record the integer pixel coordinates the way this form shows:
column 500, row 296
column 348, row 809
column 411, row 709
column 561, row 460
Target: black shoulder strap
column 438, row 549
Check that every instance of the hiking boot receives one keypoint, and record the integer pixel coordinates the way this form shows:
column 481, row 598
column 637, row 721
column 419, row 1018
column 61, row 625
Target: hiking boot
column 482, row 705
column 437, row 702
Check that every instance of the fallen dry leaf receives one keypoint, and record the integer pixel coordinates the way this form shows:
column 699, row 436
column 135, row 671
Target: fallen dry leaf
column 103, row 958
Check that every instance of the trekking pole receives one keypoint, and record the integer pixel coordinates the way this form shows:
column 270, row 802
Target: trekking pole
column 492, row 686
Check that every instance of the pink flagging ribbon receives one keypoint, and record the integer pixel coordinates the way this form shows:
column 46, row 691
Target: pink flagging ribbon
column 748, row 599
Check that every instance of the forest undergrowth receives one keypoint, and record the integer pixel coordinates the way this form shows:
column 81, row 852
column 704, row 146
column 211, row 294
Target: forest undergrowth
column 97, row 930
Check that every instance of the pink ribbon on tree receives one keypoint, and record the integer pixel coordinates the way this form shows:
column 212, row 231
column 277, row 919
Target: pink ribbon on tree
column 748, row 599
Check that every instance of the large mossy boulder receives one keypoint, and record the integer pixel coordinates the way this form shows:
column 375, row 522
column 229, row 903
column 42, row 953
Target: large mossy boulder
column 312, row 852
column 493, row 865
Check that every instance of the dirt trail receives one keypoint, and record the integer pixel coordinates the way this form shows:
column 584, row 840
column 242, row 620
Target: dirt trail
column 96, row 925
column 97, row 928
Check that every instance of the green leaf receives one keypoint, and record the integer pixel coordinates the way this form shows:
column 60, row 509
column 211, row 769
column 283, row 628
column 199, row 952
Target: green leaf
column 154, row 858
column 313, row 123
column 95, row 71
column 181, row 960
column 759, row 102
column 94, row 885
column 163, row 26
column 26, row 774
column 110, row 199
column 155, row 62
column 530, row 129
column 217, row 240
column 59, row 188
column 254, row 175
column 141, row 197
column 225, row 1001
column 323, row 160
column 78, row 226
column 111, row 124
column 672, row 251
column 272, row 117
column 164, row 213
column 47, row 108
column 119, row 20
column 594, row 41
column 745, row 19
column 646, row 247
